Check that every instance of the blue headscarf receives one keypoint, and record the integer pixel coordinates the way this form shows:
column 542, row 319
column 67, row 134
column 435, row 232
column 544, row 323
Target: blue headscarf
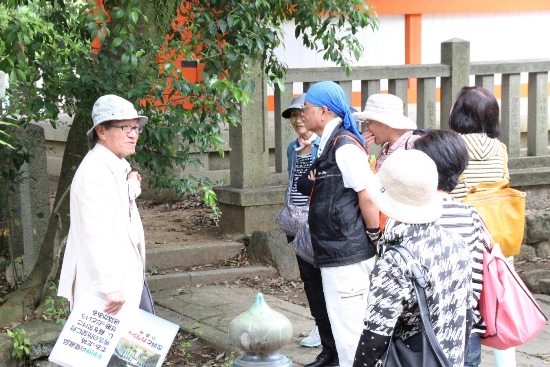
column 332, row 96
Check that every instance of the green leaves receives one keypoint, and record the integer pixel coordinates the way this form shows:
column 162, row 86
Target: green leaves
column 21, row 343
column 46, row 52
column 331, row 27
column 5, row 135
column 211, row 200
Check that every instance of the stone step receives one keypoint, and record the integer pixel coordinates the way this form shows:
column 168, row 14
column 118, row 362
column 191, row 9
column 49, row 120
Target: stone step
column 537, row 280
column 178, row 280
column 191, row 255
column 544, row 286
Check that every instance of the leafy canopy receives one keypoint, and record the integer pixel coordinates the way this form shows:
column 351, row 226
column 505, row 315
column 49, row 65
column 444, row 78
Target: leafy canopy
column 45, row 50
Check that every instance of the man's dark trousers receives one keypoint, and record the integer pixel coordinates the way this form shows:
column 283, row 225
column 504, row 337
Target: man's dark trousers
column 313, row 286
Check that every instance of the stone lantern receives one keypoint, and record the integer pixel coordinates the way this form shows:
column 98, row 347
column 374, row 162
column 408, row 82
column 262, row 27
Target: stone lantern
column 261, row 332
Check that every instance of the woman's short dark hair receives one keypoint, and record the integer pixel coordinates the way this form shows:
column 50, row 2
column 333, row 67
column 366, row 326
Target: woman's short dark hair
column 475, row 111
column 107, row 125
column 450, row 154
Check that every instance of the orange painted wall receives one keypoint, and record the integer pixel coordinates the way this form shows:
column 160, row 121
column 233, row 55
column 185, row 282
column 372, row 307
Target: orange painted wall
column 453, row 6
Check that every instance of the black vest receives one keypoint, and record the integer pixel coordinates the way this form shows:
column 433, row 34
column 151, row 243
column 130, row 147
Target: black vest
column 335, row 221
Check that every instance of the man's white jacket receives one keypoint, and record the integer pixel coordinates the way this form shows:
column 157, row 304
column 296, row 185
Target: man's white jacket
column 105, row 247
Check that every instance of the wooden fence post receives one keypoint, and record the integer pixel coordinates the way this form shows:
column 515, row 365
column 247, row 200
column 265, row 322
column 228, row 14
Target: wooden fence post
column 456, row 54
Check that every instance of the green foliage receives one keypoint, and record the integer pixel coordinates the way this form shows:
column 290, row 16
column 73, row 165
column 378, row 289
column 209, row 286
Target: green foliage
column 211, row 199
column 37, row 52
column 154, row 270
column 5, row 134
column 21, row 343
column 57, row 308
column 38, row 57
column 232, row 34
column 45, row 50
column 184, row 346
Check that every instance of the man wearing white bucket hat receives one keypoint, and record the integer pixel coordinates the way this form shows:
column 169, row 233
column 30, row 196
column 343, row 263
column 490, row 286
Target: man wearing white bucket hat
column 105, row 253
column 386, row 125
column 405, row 189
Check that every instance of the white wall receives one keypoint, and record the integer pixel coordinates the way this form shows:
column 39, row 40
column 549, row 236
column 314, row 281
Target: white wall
column 376, row 43
column 492, row 36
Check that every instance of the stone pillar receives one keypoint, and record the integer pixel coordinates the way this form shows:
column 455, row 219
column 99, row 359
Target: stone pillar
column 29, row 204
column 537, row 116
column 249, row 152
column 399, row 88
column 456, row 54
column 248, row 203
column 346, row 86
column 368, row 88
column 510, row 122
column 425, row 105
column 486, row 81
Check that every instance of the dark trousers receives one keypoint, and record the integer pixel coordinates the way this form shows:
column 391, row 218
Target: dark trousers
column 313, row 286
column 146, row 303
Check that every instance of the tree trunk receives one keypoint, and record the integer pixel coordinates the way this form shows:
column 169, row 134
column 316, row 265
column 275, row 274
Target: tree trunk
column 27, row 297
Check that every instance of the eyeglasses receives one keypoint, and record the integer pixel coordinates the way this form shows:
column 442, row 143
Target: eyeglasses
column 304, row 108
column 127, row 128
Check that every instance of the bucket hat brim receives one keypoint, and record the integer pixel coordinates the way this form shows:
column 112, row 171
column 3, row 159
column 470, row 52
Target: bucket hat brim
column 141, row 119
column 111, row 107
column 395, row 122
column 412, row 214
column 387, row 109
column 297, row 103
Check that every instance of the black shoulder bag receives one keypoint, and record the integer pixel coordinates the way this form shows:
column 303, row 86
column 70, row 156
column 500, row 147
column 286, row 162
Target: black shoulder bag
column 421, row 349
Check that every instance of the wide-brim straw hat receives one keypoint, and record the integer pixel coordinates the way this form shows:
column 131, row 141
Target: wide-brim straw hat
column 297, row 102
column 387, row 109
column 405, row 188
column 110, row 108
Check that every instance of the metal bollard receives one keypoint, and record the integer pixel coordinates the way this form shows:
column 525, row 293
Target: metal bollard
column 261, row 332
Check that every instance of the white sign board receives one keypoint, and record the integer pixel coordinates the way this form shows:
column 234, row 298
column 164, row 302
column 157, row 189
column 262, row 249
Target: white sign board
column 131, row 337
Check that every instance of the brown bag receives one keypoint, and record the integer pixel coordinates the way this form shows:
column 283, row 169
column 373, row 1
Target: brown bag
column 503, row 211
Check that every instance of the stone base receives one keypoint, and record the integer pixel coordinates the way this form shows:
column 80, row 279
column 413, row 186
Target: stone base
column 249, row 210
column 247, row 219
column 271, row 247
column 262, row 360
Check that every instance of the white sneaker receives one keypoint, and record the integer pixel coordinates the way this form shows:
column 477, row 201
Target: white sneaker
column 312, row 340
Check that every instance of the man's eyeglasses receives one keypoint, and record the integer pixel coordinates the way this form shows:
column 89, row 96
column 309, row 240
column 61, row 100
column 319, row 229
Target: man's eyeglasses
column 127, row 128
column 304, row 108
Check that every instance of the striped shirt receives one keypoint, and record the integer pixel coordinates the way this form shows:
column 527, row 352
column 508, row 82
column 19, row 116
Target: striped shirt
column 303, row 163
column 464, row 220
column 487, row 163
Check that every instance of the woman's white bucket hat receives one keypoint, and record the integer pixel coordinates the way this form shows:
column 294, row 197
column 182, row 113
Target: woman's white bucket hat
column 297, row 102
column 405, row 188
column 387, row 109
column 111, row 107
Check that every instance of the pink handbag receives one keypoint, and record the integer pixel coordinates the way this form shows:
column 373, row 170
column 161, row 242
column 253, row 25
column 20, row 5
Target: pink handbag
column 510, row 312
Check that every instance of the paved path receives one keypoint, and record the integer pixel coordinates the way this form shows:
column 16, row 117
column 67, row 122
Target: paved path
column 208, row 310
